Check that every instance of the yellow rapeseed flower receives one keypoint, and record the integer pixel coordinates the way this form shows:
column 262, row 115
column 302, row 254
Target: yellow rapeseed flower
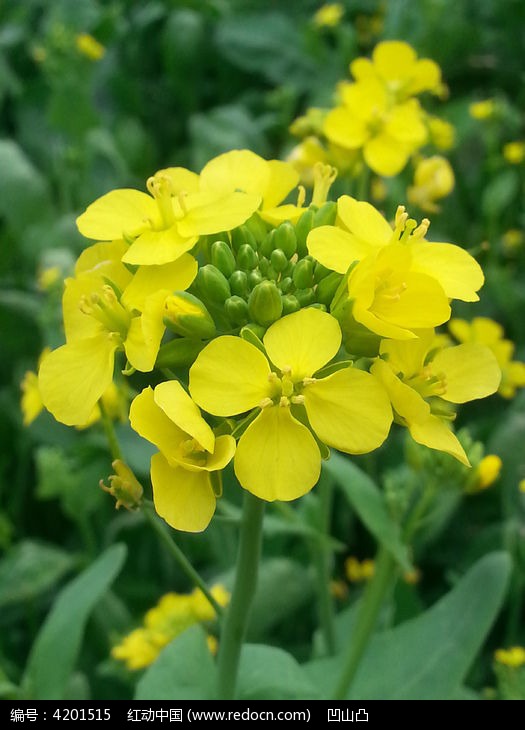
column 329, row 15
column 433, row 180
column 514, row 152
column 357, row 571
column 362, row 231
column 181, row 205
column 89, row 46
column 513, row 657
column 277, row 456
column 484, row 109
column 485, row 331
column 420, row 380
column 189, row 451
column 512, row 240
column 107, row 308
column 442, row 133
column 485, row 474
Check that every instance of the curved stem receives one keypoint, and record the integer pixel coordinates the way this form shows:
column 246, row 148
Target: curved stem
column 179, row 556
column 238, row 612
column 322, row 559
column 367, row 614
column 109, row 430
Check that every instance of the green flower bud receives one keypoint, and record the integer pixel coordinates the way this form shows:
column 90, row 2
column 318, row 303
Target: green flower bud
column 253, row 333
column 264, row 265
column 290, row 304
column 257, row 227
column 302, row 228
column 236, row 310
column 187, row 316
column 222, row 257
column 317, row 305
column 305, row 296
column 279, row 260
column 327, row 288
column 286, row 239
column 254, row 278
column 320, row 272
column 239, row 283
column 326, row 214
column 180, row 352
column 212, row 285
column 247, row 258
column 268, row 244
column 265, row 305
column 243, row 236
column 285, row 284
column 303, row 274
column 124, row 486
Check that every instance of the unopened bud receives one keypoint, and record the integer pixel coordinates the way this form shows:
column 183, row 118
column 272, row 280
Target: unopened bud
column 326, row 214
column 222, row 257
column 302, row 228
column 187, row 316
column 247, row 258
column 327, row 288
column 239, row 283
column 242, row 235
column 124, row 486
column 290, row 304
column 236, row 310
column 303, row 274
column 265, row 305
column 212, row 285
column 278, row 260
column 286, row 239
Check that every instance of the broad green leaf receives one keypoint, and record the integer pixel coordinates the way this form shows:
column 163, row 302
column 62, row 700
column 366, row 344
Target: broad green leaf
column 29, row 569
column 427, row 658
column 184, row 670
column 368, row 501
column 54, row 653
column 500, row 192
column 269, row 673
column 24, row 194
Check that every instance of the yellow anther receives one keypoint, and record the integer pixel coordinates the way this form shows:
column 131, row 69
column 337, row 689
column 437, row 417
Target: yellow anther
column 297, row 400
column 422, row 229
column 266, row 403
column 309, row 381
column 284, row 402
column 324, row 176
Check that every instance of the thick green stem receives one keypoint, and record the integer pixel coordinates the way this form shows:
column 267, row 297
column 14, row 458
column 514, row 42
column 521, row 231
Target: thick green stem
column 367, row 614
column 237, row 615
column 179, row 556
column 323, row 564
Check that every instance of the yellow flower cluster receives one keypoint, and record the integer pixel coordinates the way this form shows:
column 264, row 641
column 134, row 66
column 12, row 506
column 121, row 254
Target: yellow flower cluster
column 273, row 331
column 378, row 118
column 172, row 615
column 513, row 657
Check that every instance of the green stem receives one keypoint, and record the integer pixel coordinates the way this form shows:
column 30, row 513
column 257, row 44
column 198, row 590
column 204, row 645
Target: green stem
column 323, row 562
column 367, row 614
column 237, row 615
column 109, row 430
column 178, row 555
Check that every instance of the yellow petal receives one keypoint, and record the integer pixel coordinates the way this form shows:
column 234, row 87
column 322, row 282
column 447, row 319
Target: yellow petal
column 408, row 357
column 426, row 76
column 405, row 400
column 364, row 221
column 471, row 372
column 99, row 253
column 349, row 410
column 179, row 407
column 457, row 271
column 277, row 457
column 150, row 422
column 181, row 180
column 386, row 156
column 229, row 377
column 159, row 247
column 394, row 60
column 116, row 213
column 436, row 435
column 405, row 125
column 77, row 324
column 422, row 304
column 345, row 129
column 145, row 333
column 73, row 378
column 236, row 170
column 361, row 68
column 211, row 212
column 283, row 179
column 336, row 249
column 185, row 499
column 282, row 213
column 175, row 276
column 303, row 341
column 222, row 453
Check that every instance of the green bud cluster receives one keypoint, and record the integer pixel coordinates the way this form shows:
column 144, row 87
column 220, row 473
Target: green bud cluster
column 247, row 279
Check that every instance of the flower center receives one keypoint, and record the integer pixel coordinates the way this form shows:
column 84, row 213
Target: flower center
column 427, row 383
column 284, row 391
column 160, row 187
column 105, row 307
column 192, row 451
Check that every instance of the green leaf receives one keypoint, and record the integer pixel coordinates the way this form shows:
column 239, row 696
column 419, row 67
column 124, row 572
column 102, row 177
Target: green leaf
column 269, row 673
column 500, row 192
column 184, row 670
column 24, row 195
column 54, row 653
column 428, row 657
column 30, row 569
column 369, row 503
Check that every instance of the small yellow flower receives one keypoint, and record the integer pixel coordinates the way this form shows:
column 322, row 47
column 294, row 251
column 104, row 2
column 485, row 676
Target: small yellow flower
column 514, row 152
column 485, row 331
column 442, row 133
column 329, row 15
column 433, row 180
column 48, row 277
column 485, row 109
column 357, row 572
column 123, row 485
column 277, row 456
column 512, row 240
column 521, row 486
column 189, row 451
column 89, row 47
column 513, row 657
column 421, row 381
column 304, row 157
column 362, row 231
